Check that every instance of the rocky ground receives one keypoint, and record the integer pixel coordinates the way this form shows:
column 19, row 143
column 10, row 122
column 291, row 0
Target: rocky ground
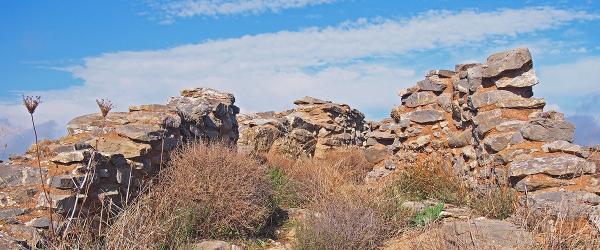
column 481, row 118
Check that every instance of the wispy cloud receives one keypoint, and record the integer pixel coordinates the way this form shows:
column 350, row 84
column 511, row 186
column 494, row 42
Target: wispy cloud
column 171, row 9
column 362, row 63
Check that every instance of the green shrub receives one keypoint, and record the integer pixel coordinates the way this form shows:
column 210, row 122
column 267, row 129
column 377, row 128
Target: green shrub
column 285, row 195
column 428, row 215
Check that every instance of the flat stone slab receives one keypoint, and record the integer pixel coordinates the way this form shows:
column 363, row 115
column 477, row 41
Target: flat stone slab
column 70, row 157
column 141, row 132
column 522, row 103
column 426, row 116
column 486, row 234
column 566, row 147
column 481, row 99
column 551, row 165
column 548, row 130
column 420, row 99
column 526, row 79
column 430, row 85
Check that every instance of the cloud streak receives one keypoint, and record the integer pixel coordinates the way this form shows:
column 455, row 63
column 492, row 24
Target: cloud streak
column 359, row 62
column 213, row 8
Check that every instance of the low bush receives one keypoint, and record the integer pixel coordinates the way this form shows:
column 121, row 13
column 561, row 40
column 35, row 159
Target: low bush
column 209, row 191
column 343, row 224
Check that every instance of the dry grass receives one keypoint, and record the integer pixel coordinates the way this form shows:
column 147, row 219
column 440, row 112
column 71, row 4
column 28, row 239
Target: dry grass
column 207, row 192
column 497, row 203
column 430, row 178
column 558, row 231
column 312, row 180
column 346, row 213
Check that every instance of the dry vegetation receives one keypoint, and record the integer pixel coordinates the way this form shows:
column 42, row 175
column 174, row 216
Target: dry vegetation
column 214, row 192
column 207, row 192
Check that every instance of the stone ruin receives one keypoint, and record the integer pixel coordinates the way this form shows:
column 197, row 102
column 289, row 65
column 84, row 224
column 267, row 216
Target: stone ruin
column 483, row 118
column 312, row 128
column 106, row 158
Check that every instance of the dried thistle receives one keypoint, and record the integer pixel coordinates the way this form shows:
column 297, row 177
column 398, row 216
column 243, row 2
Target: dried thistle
column 31, row 103
column 105, row 106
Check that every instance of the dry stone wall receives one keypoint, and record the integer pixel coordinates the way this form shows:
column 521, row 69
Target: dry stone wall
column 107, row 159
column 496, row 132
column 312, row 128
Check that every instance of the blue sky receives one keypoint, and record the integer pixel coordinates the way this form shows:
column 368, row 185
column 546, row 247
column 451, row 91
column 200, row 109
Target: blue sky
column 269, row 52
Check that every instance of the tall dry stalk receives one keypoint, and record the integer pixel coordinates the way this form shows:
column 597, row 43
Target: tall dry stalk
column 31, row 103
column 4, row 151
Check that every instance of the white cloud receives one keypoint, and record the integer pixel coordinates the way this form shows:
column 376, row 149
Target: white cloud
column 188, row 8
column 581, row 76
column 359, row 63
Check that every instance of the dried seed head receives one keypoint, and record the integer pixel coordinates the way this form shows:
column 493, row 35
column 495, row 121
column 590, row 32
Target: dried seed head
column 105, row 106
column 31, row 103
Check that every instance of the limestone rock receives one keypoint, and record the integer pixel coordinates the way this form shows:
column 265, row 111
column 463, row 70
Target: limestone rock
column 526, row 79
column 474, row 78
column 552, row 165
column 509, row 126
column 376, row 153
column 485, row 121
column 535, row 182
column 485, row 234
column 141, row 132
column 420, row 99
column 566, row 147
column 9, row 214
column 65, row 181
column 548, row 130
column 426, row 116
column 430, row 85
column 41, row 222
column 445, row 101
column 529, row 103
column 420, row 142
column 70, row 157
column 567, row 204
column 481, row 99
column 213, row 245
column 15, row 175
column 307, row 100
column 498, row 142
column 119, row 145
column 61, row 203
column 441, row 73
column 501, row 62
column 460, row 139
